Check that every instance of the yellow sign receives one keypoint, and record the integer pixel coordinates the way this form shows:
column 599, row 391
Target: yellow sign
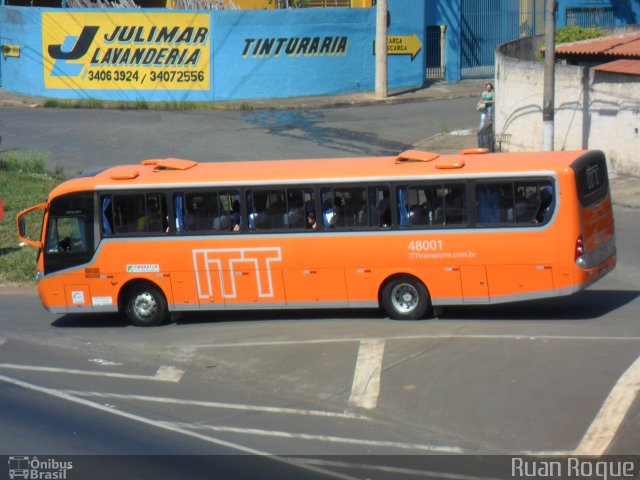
column 10, row 50
column 122, row 51
column 404, row 45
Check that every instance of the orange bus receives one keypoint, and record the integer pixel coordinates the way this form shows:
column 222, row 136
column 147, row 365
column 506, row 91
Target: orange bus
column 407, row 233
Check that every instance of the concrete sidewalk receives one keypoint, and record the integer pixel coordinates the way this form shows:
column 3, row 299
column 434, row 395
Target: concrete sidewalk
column 430, row 91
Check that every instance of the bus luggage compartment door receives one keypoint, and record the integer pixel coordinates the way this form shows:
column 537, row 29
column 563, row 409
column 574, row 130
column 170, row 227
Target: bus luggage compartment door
column 320, row 286
column 474, row 284
column 78, row 298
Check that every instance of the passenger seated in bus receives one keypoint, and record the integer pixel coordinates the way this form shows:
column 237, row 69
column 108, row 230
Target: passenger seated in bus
column 276, row 215
column 418, row 215
column 545, row 210
column 311, row 221
column 295, row 218
column 259, row 219
column 384, row 209
column 330, row 212
column 525, row 209
column 234, row 216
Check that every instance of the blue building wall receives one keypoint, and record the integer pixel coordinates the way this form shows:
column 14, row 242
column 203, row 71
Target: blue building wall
column 235, row 55
column 260, row 54
column 623, row 12
column 17, row 27
column 447, row 12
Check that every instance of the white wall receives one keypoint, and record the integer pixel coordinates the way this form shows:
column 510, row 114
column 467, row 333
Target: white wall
column 593, row 110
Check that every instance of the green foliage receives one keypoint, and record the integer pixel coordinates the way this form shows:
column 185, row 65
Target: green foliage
column 87, row 103
column 245, row 107
column 23, row 183
column 574, row 34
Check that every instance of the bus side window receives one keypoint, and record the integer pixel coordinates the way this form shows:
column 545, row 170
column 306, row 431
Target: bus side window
column 156, row 218
column 489, row 203
column 266, row 209
column 299, row 205
column 129, row 213
column 455, row 204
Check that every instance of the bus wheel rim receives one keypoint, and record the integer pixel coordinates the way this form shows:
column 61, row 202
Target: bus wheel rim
column 405, row 297
column 145, row 305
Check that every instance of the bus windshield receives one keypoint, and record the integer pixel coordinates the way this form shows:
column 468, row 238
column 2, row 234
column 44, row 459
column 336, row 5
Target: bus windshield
column 69, row 239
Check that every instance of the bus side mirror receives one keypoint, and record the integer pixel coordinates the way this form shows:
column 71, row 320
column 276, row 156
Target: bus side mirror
column 22, row 226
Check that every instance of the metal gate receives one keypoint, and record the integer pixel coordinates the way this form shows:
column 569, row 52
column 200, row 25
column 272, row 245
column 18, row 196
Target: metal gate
column 485, row 24
column 433, row 49
column 590, row 17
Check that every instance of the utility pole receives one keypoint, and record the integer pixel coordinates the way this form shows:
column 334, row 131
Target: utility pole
column 548, row 100
column 381, row 49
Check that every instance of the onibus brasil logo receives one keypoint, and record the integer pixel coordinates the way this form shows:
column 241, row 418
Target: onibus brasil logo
column 38, row 469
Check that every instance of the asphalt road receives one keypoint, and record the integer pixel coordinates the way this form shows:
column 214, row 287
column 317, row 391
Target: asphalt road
column 78, row 139
column 523, row 378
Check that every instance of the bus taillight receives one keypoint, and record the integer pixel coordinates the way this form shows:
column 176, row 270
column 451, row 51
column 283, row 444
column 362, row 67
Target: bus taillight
column 579, row 247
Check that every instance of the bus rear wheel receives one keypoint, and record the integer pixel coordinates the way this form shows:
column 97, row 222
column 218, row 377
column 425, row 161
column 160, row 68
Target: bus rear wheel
column 405, row 298
column 146, row 306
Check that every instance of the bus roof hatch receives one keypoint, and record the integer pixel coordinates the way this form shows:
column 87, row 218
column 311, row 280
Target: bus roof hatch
column 416, row 156
column 170, row 164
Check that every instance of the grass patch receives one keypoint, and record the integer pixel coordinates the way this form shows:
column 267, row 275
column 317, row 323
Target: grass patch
column 92, row 103
column 87, row 103
column 23, row 183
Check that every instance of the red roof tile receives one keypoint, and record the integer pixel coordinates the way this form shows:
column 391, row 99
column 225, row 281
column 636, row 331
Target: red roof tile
column 629, row 67
column 625, row 45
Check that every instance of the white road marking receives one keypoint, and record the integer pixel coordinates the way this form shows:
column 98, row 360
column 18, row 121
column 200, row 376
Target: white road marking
column 366, row 377
column 612, row 413
column 184, row 354
column 172, row 428
column 104, row 363
column 164, row 374
column 321, row 438
column 277, row 343
column 169, row 374
column 230, row 406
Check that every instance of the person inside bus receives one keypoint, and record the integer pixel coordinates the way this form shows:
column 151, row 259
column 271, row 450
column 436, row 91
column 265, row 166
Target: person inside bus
column 296, row 214
column 311, row 221
column 259, row 219
column 234, row 216
column 545, row 210
column 384, row 209
column 330, row 212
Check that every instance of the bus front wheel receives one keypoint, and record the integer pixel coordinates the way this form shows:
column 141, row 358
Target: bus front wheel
column 405, row 298
column 146, row 306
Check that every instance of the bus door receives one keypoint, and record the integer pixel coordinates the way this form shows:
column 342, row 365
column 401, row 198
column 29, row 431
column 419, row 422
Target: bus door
column 240, row 277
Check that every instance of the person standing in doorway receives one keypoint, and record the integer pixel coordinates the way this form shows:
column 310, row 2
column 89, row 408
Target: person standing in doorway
column 488, row 98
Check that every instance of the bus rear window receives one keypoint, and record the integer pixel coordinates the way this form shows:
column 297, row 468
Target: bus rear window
column 591, row 178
